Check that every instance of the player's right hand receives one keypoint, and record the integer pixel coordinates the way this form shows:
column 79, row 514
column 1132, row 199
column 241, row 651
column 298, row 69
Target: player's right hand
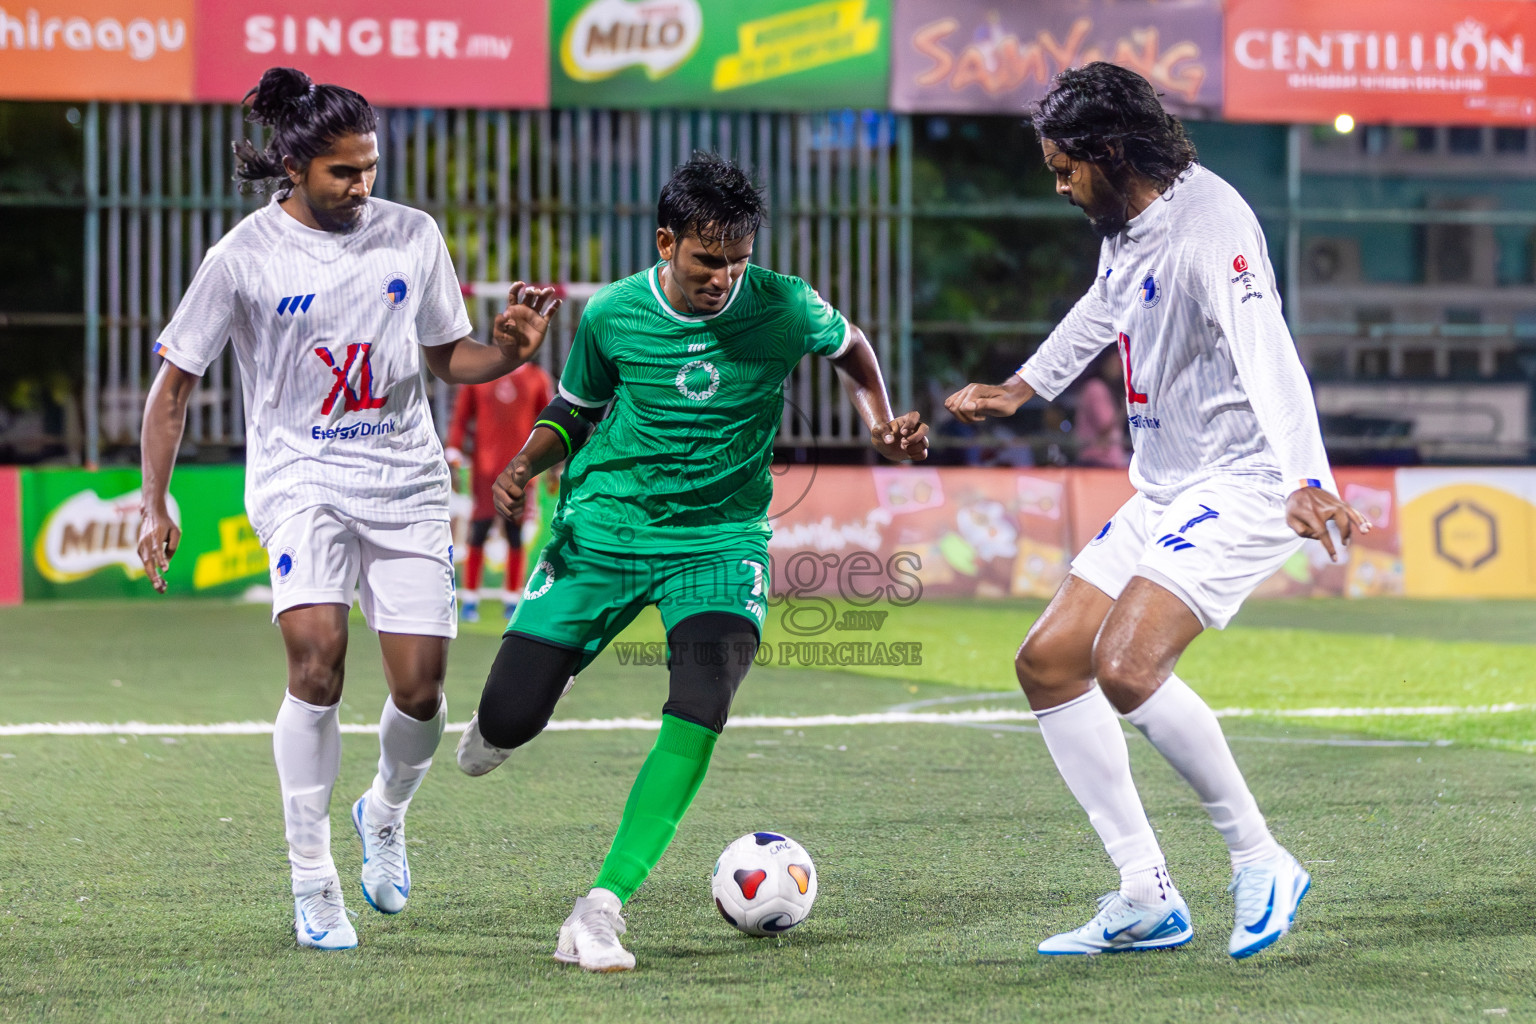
column 975, row 402
column 159, row 537
column 520, row 328
column 510, row 491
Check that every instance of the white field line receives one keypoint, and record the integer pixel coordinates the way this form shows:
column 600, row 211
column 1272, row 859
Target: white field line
column 742, row 722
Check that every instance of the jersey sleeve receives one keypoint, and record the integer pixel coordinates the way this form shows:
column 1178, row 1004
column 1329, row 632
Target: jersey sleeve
column 590, row 377
column 1067, row 350
column 440, row 315
column 1241, row 302
column 201, row 325
column 824, row 331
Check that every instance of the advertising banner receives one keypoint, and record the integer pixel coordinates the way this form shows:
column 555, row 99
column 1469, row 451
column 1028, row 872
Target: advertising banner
column 982, row 56
column 96, row 50
column 394, row 52
column 1468, row 532
column 1381, row 61
column 10, row 536
column 765, row 55
column 80, row 532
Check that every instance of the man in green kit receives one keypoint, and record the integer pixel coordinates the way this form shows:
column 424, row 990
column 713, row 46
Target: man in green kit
column 665, row 502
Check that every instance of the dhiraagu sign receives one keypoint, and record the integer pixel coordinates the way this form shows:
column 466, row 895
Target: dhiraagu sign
column 767, row 54
column 81, row 533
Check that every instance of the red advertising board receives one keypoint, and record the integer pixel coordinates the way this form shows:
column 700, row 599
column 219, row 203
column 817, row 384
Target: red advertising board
column 96, row 50
column 394, row 52
column 1381, row 61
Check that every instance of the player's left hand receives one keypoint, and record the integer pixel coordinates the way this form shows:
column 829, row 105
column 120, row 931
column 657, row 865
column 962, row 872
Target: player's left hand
column 1309, row 510
column 903, row 439
column 520, row 328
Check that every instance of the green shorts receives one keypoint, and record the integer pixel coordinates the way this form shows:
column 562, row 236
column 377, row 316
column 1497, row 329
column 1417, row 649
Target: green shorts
column 580, row 598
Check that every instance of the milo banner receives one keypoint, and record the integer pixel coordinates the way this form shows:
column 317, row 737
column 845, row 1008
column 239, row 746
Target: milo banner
column 986, row 56
column 80, row 534
column 764, row 55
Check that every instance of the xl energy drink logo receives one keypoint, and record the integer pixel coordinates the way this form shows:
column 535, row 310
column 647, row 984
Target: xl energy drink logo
column 88, row 533
column 611, row 35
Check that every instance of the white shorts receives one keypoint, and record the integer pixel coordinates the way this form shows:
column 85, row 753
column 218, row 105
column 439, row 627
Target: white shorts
column 1212, row 547
column 403, row 574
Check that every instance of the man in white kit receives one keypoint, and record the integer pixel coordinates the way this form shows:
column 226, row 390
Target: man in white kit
column 1230, row 475
column 332, row 298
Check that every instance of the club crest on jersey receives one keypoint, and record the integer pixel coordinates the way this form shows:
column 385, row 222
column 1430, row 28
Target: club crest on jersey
column 1151, row 292
column 698, row 380
column 1103, row 534
column 284, row 565
column 396, row 290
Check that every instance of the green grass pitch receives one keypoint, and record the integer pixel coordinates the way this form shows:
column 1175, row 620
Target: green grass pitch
column 144, row 878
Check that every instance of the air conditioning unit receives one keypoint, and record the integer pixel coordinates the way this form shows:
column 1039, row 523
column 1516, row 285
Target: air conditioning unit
column 1464, row 254
column 1331, row 261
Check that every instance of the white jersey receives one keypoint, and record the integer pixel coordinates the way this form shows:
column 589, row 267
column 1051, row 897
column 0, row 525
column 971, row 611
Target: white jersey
column 1213, row 384
column 327, row 328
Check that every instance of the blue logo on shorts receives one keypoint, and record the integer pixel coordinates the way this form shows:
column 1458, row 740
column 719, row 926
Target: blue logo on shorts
column 284, row 565
column 1104, row 532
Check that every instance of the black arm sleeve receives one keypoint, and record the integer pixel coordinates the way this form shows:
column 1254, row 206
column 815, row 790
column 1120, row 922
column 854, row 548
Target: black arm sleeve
column 572, row 422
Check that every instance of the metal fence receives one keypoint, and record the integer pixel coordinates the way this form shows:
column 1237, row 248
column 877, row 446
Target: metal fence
column 546, row 196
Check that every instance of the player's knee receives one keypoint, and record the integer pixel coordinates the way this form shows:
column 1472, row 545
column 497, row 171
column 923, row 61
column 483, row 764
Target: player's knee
column 1125, row 680
column 421, row 703
column 526, row 681
column 709, row 657
column 1044, row 665
column 315, row 676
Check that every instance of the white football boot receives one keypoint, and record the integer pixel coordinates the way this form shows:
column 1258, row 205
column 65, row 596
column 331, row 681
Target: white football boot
column 1267, row 896
column 1121, row 926
column 590, row 936
column 320, row 917
column 477, row 757
column 386, row 871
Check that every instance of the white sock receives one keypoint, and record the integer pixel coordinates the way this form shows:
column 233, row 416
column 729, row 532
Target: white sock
column 406, row 746
column 1084, row 738
column 306, row 744
column 1185, row 731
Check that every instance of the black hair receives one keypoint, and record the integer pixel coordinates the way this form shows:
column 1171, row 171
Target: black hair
column 712, row 199
column 305, row 119
column 1109, row 115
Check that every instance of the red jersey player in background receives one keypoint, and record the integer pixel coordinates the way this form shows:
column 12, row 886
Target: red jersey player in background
column 503, row 412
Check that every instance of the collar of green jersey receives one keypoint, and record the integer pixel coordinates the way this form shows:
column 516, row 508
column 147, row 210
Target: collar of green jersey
column 654, row 278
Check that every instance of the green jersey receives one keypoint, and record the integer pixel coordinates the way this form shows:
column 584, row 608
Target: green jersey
column 682, row 461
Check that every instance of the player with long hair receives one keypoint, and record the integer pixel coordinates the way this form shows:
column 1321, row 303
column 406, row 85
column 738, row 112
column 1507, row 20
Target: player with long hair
column 665, row 502
column 1230, row 475
column 332, row 299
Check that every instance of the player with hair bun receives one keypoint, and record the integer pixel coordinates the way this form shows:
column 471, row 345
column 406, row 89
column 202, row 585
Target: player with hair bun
column 333, row 299
column 1230, row 474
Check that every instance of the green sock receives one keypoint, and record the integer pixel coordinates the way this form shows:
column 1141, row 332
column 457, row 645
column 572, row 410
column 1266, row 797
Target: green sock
column 660, row 796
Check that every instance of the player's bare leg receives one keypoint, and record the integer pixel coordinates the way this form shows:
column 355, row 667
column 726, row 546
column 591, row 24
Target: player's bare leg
column 1134, row 657
column 306, row 744
column 410, row 728
column 1055, row 667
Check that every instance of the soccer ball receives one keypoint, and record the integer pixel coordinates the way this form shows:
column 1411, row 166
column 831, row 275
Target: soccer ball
column 764, row 883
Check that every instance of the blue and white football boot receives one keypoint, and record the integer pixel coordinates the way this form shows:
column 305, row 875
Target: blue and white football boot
column 1121, row 926
column 320, row 917
column 1267, row 896
column 386, row 873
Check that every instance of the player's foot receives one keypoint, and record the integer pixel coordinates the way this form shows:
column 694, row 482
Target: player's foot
column 1267, row 896
column 476, row 757
column 1121, row 926
column 386, row 871
column 509, row 607
column 590, row 936
column 469, row 611
column 320, row 917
